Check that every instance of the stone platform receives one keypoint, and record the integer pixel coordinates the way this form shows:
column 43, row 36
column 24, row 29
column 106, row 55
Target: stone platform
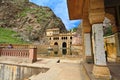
column 113, row 67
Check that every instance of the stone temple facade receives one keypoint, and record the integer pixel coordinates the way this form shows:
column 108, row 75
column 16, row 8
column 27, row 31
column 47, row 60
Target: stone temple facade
column 62, row 40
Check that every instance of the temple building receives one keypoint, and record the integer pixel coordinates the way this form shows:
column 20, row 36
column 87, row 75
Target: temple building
column 62, row 40
column 94, row 14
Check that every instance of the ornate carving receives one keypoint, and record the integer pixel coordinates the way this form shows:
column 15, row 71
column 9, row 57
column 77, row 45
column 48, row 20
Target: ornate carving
column 96, row 11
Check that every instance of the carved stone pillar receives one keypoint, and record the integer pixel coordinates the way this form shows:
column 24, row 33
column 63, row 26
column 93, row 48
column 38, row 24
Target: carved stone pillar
column 96, row 17
column 100, row 69
column 99, row 52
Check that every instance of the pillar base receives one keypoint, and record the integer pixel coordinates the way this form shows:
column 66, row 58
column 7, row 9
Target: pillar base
column 101, row 72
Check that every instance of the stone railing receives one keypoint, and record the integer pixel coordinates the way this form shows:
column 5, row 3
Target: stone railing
column 30, row 54
column 23, row 46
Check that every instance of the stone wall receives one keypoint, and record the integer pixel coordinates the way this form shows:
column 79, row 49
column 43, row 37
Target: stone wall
column 14, row 72
column 110, row 48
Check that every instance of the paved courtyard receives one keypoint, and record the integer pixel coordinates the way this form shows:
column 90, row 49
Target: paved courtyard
column 67, row 69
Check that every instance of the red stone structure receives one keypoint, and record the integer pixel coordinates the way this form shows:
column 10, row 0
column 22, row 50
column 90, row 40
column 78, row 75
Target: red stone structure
column 29, row 53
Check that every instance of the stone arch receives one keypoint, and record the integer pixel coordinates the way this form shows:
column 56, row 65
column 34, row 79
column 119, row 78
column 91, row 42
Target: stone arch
column 55, row 43
column 64, row 44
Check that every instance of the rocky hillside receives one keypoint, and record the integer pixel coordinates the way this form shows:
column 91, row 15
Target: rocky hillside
column 28, row 19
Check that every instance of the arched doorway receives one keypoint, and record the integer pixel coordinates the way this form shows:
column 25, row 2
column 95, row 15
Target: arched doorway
column 64, row 51
column 55, row 43
column 64, row 45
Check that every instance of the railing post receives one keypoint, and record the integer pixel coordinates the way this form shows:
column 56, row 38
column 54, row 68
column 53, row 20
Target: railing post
column 32, row 54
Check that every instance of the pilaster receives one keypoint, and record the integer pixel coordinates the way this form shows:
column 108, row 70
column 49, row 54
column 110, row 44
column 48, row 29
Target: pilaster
column 87, row 39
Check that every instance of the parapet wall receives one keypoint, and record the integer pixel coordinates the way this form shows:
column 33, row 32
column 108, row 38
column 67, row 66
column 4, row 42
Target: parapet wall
column 14, row 72
column 29, row 54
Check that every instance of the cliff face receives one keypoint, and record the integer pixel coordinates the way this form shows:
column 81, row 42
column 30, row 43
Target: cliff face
column 28, row 19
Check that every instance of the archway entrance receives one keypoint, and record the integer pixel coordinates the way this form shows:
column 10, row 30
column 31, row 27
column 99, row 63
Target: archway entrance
column 55, row 43
column 64, row 45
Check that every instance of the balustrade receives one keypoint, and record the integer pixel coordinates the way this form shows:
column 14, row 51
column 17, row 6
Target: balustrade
column 19, row 53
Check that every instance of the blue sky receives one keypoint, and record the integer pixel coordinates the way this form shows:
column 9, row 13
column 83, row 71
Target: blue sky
column 59, row 7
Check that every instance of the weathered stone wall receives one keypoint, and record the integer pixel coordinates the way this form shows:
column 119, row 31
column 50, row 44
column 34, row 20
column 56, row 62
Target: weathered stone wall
column 13, row 72
column 110, row 47
column 77, row 50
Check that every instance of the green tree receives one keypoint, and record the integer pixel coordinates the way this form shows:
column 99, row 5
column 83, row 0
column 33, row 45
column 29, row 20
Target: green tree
column 108, row 31
column 74, row 29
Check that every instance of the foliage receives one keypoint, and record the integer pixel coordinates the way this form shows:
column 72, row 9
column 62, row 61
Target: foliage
column 6, row 36
column 74, row 29
column 25, row 11
column 108, row 31
column 29, row 20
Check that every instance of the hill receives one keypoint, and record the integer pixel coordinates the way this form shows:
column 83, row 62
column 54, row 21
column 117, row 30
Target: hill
column 27, row 19
column 10, row 36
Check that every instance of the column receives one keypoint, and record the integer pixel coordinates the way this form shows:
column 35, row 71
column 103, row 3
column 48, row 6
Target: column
column 99, row 52
column 87, row 40
column 100, row 69
column 87, row 46
column 87, row 33
column 96, row 18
